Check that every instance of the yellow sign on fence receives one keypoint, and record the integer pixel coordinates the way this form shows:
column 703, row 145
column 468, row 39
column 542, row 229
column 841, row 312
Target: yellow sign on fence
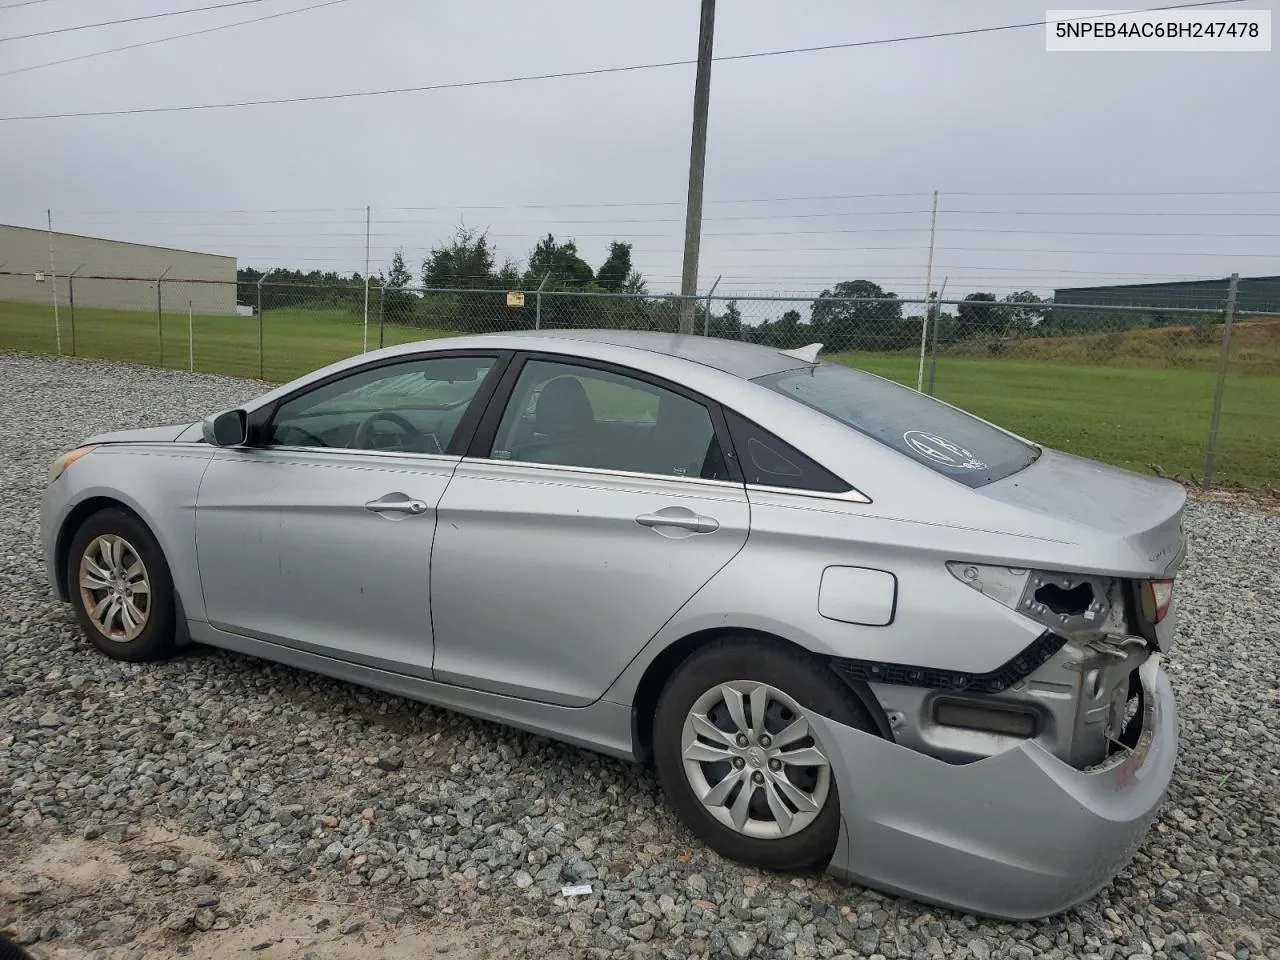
column 515, row 298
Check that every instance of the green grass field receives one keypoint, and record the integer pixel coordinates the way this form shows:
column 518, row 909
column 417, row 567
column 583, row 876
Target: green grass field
column 1123, row 408
column 294, row 341
column 1132, row 417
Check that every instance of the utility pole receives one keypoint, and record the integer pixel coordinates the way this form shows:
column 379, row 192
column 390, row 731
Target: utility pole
column 697, row 164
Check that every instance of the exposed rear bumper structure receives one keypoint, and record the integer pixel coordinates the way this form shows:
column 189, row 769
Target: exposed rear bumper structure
column 1018, row 835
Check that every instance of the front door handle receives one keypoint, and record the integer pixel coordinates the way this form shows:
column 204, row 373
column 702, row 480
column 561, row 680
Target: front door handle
column 396, row 503
column 679, row 517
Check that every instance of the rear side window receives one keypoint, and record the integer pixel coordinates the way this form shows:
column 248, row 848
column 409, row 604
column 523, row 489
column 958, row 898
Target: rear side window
column 564, row 414
column 767, row 461
column 931, row 433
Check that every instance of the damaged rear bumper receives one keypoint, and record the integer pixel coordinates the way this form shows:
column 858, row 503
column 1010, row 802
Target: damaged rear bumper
column 1018, row 835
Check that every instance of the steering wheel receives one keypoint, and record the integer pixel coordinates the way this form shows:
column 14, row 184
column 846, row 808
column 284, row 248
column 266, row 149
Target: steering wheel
column 360, row 440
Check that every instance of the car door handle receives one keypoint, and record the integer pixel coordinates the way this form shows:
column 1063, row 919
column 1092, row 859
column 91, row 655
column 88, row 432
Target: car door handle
column 679, row 517
column 396, row 504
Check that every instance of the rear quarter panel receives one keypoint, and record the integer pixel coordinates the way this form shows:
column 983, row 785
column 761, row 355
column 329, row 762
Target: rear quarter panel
column 773, row 585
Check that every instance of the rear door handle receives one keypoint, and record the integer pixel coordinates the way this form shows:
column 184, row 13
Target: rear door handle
column 396, row 503
column 679, row 517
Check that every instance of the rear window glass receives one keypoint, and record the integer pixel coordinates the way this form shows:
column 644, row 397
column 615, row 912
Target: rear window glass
column 931, row 433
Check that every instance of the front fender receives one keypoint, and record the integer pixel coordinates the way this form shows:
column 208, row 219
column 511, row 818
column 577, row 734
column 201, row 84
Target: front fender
column 158, row 483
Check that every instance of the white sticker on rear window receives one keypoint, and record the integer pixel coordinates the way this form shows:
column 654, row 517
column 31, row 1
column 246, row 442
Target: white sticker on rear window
column 941, row 450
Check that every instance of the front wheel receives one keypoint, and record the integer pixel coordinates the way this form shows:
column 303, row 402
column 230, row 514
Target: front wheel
column 121, row 588
column 736, row 756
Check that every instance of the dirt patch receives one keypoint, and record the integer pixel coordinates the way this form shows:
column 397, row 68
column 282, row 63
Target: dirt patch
column 162, row 893
column 72, row 865
column 1266, row 500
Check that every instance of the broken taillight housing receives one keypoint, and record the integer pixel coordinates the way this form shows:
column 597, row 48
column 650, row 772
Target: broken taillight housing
column 1156, row 597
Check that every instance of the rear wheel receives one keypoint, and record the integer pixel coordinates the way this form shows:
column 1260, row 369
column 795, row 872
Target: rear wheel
column 737, row 758
column 120, row 587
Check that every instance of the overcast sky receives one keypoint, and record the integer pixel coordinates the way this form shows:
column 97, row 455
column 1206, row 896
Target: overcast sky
column 993, row 122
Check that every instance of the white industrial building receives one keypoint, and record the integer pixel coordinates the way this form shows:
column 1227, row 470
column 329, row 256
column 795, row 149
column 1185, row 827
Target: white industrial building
column 112, row 274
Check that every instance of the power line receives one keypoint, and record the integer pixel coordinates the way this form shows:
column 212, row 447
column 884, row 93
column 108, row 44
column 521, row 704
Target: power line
column 21, row 3
column 852, row 249
column 189, row 226
column 1108, row 213
column 112, row 23
column 795, row 199
column 176, row 36
column 559, row 75
column 1109, row 253
column 1118, row 193
column 538, row 227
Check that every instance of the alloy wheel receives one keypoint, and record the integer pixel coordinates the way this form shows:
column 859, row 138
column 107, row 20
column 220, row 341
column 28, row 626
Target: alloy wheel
column 752, row 761
column 115, row 588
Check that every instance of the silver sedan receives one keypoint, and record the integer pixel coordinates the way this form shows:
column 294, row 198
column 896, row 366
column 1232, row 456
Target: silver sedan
column 849, row 625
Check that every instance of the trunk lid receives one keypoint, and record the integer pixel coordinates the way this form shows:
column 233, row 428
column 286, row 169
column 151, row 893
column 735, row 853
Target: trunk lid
column 1144, row 513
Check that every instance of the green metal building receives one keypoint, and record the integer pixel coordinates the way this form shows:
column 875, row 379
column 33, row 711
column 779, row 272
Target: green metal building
column 1253, row 295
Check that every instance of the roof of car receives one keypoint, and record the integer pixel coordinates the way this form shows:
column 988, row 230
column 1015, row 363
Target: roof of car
column 746, row 360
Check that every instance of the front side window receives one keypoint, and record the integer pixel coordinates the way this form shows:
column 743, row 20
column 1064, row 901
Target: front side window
column 576, row 416
column 942, row 438
column 409, row 407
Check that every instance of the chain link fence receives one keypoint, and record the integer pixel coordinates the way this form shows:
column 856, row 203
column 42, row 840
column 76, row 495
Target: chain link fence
column 1187, row 388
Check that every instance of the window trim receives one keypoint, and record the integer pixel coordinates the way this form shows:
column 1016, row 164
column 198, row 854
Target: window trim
column 260, row 420
column 350, row 451
column 604, row 472
column 852, row 495
column 480, row 448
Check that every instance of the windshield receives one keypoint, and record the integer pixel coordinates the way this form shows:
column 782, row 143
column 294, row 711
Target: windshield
column 931, row 433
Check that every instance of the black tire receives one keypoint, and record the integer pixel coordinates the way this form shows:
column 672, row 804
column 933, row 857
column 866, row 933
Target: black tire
column 157, row 637
column 806, row 680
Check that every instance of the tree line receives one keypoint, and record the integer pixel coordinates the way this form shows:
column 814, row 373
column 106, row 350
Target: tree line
column 851, row 314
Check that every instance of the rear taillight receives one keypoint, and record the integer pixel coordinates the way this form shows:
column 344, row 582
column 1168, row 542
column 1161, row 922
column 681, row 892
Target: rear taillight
column 1156, row 596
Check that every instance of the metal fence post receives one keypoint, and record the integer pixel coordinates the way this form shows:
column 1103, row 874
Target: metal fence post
column 191, row 342
column 706, row 321
column 71, row 298
column 924, row 341
column 160, row 312
column 260, row 325
column 928, row 283
column 1224, row 360
column 53, row 279
column 933, row 337
column 382, row 302
column 537, row 302
column 365, row 346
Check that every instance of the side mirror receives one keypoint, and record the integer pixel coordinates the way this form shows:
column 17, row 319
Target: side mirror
column 226, row 429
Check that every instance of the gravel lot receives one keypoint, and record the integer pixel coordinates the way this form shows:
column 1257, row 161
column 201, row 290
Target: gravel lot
column 217, row 804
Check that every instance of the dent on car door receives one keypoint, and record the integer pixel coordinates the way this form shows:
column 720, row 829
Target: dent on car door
column 319, row 534
column 597, row 502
